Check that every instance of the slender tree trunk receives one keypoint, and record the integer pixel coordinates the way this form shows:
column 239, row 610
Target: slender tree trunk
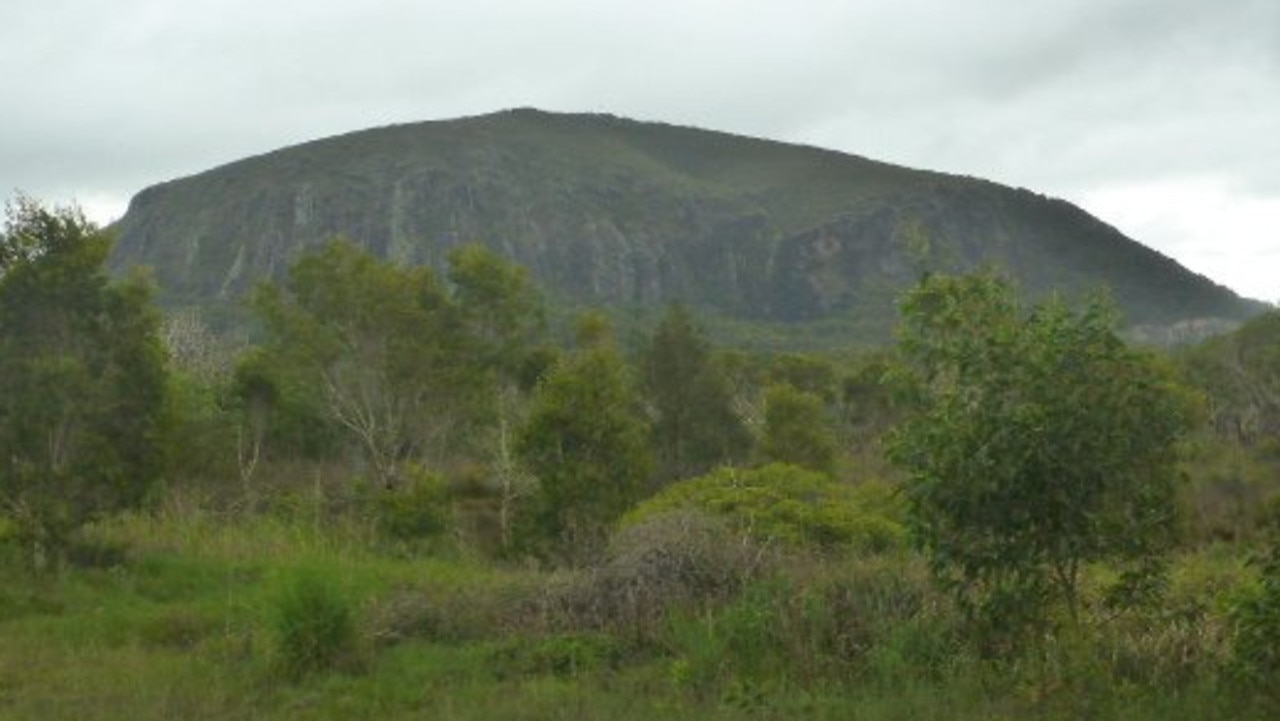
column 248, row 451
column 508, row 473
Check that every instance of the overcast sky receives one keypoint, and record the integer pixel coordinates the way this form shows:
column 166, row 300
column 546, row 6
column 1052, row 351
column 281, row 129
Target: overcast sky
column 1162, row 117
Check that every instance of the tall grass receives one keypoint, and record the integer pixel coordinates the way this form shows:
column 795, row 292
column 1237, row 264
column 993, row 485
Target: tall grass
column 313, row 623
column 269, row 615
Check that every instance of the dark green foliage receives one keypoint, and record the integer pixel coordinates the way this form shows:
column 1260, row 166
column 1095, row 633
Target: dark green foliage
column 587, row 443
column 696, row 428
column 866, row 403
column 499, row 306
column 380, row 346
column 785, row 504
column 417, row 510
column 1040, row 443
column 82, row 378
column 797, row 430
column 200, row 432
column 313, row 622
column 277, row 407
column 805, row 372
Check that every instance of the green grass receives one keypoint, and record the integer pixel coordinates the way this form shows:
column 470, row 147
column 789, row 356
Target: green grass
column 183, row 623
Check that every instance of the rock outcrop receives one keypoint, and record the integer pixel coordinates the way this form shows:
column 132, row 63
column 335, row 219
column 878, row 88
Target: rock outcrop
column 607, row 210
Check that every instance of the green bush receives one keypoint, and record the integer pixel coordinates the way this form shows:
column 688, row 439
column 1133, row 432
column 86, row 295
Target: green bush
column 1256, row 616
column 417, row 510
column 736, row 650
column 788, row 505
column 313, row 623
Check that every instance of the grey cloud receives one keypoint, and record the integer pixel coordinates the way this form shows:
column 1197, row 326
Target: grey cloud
column 1056, row 95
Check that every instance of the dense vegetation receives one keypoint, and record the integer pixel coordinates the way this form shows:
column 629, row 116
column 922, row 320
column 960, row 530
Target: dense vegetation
column 406, row 495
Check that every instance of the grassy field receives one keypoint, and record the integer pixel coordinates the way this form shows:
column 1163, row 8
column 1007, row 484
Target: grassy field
column 182, row 613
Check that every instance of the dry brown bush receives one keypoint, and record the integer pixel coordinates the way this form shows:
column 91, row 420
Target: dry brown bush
column 676, row 561
column 680, row 560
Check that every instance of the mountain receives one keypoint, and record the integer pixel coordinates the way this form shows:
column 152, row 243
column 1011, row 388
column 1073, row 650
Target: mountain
column 606, row 210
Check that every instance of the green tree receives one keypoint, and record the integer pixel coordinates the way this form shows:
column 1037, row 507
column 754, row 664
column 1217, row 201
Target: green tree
column 1040, row 443
column 807, row 372
column 696, row 428
column 797, row 430
column 499, row 304
column 587, row 443
column 82, row 378
column 382, row 345
column 504, row 318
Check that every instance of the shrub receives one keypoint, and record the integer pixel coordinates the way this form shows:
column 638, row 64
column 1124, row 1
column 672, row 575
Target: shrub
column 416, row 510
column 737, row 650
column 1256, row 650
column 788, row 505
column 451, row 615
column 797, row 430
column 1040, row 444
column 313, row 623
column 678, row 559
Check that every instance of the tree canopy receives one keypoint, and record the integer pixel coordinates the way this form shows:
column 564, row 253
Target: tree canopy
column 797, row 430
column 381, row 344
column 695, row 427
column 1040, row 443
column 82, row 377
column 587, row 442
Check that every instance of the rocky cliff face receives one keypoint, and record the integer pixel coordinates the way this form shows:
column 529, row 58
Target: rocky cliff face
column 605, row 210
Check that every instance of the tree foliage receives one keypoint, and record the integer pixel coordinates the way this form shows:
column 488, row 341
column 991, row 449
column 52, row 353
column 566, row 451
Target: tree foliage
column 504, row 318
column 806, row 372
column 1040, row 443
column 696, row 428
column 587, row 442
column 82, row 377
column 797, row 430
column 499, row 307
column 381, row 344
column 866, row 403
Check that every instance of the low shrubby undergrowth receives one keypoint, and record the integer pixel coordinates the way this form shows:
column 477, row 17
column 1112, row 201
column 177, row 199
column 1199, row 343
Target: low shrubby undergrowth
column 313, row 623
column 789, row 506
column 687, row 615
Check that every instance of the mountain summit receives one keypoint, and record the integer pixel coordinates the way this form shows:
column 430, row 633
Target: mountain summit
column 606, row 210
